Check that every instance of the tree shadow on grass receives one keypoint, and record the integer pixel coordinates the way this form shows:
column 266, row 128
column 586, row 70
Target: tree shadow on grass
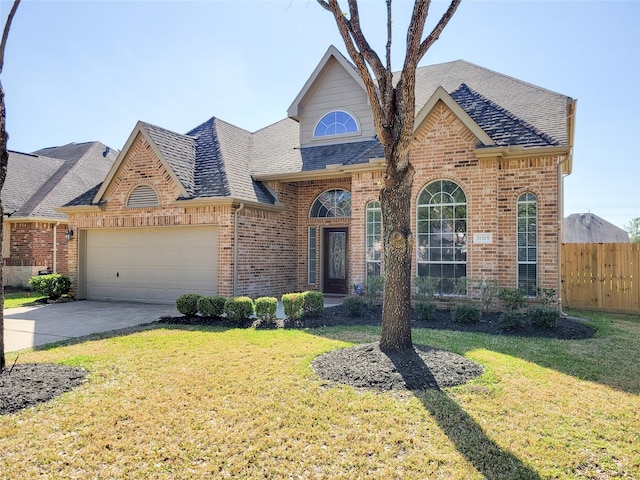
column 490, row 459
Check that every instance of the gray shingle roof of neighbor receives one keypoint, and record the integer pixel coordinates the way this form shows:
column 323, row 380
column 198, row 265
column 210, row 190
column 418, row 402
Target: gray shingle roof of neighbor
column 60, row 176
column 590, row 228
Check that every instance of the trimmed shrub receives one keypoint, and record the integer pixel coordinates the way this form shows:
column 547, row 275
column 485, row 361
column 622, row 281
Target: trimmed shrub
column 488, row 290
column 512, row 299
column 211, row 306
column 187, row 304
column 511, row 321
column 466, row 313
column 238, row 309
column 53, row 285
column 293, row 305
column 426, row 287
column 544, row 317
column 354, row 305
column 313, row 303
column 425, row 310
column 375, row 290
column 266, row 308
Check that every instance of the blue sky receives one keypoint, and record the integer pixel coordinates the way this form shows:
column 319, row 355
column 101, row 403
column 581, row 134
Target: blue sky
column 79, row 71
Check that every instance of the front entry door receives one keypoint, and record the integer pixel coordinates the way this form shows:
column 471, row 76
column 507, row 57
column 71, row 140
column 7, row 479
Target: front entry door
column 336, row 246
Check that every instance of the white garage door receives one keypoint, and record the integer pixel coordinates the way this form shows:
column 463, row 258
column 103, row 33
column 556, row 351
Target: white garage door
column 154, row 265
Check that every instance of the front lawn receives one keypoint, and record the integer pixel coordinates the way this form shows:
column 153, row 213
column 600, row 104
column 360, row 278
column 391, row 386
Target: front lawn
column 21, row 299
column 204, row 402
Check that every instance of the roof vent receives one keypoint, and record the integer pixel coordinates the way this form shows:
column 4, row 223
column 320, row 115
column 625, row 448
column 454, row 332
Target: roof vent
column 142, row 196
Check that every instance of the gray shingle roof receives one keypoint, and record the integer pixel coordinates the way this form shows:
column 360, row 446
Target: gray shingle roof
column 590, row 228
column 502, row 126
column 37, row 184
column 545, row 110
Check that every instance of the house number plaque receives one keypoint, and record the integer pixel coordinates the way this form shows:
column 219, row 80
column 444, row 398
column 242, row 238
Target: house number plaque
column 483, row 238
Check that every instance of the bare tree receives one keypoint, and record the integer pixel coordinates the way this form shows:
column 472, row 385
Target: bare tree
column 4, row 161
column 393, row 105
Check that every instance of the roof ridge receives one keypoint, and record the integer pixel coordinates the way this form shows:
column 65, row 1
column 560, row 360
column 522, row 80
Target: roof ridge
column 546, row 137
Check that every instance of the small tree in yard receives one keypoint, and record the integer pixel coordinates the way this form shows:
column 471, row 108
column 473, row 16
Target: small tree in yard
column 634, row 230
column 4, row 161
column 393, row 104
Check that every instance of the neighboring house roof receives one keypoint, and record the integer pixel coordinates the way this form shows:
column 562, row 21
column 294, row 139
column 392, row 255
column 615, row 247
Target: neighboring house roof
column 219, row 160
column 590, row 228
column 38, row 183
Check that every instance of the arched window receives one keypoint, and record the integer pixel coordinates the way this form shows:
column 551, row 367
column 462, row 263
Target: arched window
column 336, row 123
column 374, row 239
column 142, row 196
column 332, row 203
column 527, row 244
column 442, row 236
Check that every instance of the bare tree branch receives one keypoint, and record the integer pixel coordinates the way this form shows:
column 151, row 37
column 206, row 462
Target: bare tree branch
column 5, row 33
column 437, row 30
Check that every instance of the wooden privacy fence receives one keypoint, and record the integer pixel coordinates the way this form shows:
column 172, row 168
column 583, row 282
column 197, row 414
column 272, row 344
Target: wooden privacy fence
column 601, row 276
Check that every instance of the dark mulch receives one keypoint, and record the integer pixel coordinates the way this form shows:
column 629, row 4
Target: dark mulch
column 364, row 366
column 28, row 384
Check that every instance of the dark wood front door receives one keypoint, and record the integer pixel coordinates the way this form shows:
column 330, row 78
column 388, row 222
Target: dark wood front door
column 336, row 265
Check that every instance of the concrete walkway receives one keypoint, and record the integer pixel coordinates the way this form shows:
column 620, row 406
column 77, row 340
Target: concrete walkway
column 27, row 327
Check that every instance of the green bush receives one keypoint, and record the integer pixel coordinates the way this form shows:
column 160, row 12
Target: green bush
column 353, row 305
column 511, row 321
column 211, row 306
column 374, row 290
column 425, row 310
column 266, row 308
column 544, row 317
column 53, row 285
column 187, row 304
column 426, row 288
column 488, row 290
column 313, row 303
column 512, row 299
column 293, row 305
column 466, row 313
column 238, row 309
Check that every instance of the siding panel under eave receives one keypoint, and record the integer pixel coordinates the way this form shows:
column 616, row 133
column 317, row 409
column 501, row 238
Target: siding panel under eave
column 335, row 89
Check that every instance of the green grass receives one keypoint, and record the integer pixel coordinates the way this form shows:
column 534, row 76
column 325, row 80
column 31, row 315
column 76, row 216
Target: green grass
column 212, row 403
column 20, row 299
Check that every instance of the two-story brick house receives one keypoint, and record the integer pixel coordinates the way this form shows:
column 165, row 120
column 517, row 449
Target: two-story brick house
column 294, row 206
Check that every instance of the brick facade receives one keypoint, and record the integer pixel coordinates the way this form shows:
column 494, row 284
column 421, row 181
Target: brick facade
column 272, row 256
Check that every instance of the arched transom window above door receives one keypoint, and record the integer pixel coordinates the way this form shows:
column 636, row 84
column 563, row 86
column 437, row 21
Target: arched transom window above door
column 334, row 203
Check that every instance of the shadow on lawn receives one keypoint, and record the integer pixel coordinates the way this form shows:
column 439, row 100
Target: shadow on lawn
column 491, row 460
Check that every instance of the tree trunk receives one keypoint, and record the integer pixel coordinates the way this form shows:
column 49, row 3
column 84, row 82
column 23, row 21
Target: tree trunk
column 395, row 203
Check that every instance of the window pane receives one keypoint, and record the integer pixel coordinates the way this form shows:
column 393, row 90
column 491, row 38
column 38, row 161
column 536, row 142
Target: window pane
column 332, row 204
column 335, row 123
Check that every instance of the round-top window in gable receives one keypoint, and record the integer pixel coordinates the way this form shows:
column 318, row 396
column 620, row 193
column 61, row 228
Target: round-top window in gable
column 332, row 204
column 142, row 196
column 336, row 123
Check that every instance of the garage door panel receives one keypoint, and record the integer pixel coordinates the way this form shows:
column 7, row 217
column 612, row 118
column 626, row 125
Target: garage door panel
column 151, row 265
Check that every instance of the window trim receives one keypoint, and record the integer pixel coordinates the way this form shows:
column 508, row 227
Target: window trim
column 519, row 262
column 332, row 207
column 454, row 204
column 336, row 135
column 312, row 255
column 371, row 207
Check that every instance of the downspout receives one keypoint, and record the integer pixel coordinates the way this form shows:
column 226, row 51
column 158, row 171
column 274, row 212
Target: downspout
column 571, row 112
column 238, row 210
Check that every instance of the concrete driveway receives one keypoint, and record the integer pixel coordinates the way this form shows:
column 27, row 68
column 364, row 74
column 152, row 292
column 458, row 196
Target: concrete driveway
column 27, row 327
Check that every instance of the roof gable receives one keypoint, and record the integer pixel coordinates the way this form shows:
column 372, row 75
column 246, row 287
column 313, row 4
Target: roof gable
column 176, row 158
column 332, row 53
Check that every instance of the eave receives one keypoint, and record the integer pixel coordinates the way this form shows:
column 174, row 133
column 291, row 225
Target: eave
column 331, row 171
column 519, row 152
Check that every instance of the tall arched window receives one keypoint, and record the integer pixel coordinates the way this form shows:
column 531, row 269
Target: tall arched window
column 332, row 203
column 374, row 239
column 527, row 244
column 336, row 123
column 442, row 236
